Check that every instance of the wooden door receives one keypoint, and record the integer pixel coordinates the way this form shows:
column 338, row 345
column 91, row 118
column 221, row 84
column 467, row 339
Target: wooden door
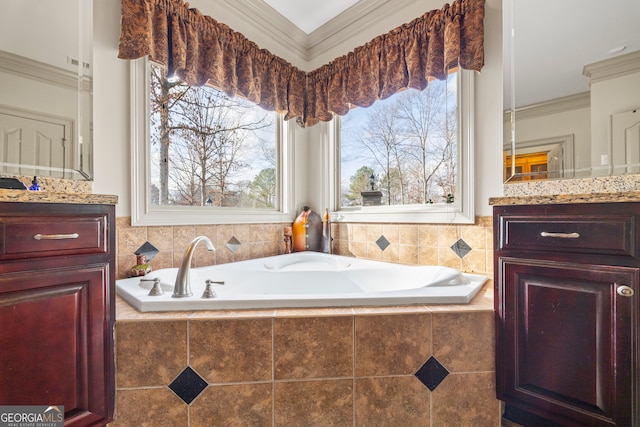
column 625, row 139
column 29, row 139
column 565, row 341
column 54, row 338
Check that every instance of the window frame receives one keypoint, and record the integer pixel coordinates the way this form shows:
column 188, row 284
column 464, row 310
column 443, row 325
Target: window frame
column 461, row 211
column 143, row 213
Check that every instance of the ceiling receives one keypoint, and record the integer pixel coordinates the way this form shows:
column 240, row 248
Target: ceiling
column 309, row 15
column 554, row 40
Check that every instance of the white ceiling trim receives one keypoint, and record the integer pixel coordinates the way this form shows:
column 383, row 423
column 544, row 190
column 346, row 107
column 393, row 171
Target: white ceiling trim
column 350, row 23
column 273, row 25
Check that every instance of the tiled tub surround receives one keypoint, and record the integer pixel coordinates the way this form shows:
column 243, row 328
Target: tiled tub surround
column 465, row 247
column 399, row 366
column 411, row 365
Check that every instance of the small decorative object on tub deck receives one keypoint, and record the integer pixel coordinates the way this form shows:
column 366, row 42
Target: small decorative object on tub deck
column 141, row 268
column 307, row 231
column 287, row 240
column 326, row 232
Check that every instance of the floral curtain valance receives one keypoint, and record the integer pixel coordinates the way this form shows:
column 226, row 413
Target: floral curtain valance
column 199, row 49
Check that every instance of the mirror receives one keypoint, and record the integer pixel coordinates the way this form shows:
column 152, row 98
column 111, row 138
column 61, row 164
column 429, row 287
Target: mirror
column 46, row 88
column 571, row 88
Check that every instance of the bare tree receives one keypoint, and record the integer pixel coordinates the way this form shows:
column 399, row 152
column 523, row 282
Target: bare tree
column 383, row 142
column 164, row 94
column 183, row 173
column 446, row 174
column 421, row 115
column 207, row 132
column 411, row 140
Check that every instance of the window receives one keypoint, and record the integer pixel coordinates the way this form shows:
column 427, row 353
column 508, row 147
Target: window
column 204, row 157
column 407, row 158
column 209, row 149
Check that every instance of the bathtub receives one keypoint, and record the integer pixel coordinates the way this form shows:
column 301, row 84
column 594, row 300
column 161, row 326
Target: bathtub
column 304, row 279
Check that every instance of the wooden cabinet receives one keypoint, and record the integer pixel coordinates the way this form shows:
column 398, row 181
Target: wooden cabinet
column 57, row 289
column 567, row 285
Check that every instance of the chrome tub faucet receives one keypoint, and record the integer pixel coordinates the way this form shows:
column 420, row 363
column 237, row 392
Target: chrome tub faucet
column 183, row 287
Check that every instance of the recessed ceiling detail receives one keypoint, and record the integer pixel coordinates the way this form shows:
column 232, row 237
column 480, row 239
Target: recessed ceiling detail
column 309, row 15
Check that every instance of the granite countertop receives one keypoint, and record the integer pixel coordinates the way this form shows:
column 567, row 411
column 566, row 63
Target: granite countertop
column 51, row 197
column 626, row 196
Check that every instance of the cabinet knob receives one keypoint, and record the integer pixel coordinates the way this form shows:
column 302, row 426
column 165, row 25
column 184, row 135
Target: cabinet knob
column 625, row 291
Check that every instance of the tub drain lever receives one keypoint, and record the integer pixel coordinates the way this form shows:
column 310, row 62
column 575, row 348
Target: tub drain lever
column 208, row 291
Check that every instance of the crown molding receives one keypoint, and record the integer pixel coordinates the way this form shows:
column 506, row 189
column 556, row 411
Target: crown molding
column 554, row 106
column 274, row 29
column 613, row 67
column 26, row 67
column 352, row 22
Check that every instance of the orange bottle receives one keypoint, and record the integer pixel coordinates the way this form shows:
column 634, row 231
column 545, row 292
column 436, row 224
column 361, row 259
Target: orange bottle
column 307, row 231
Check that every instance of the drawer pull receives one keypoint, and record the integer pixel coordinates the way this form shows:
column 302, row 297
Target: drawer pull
column 560, row 235
column 625, row 291
column 56, row 236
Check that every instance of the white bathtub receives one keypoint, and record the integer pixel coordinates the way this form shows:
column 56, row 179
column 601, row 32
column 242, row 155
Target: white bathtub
column 305, row 279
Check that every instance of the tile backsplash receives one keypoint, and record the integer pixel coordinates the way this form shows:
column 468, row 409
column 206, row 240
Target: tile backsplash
column 465, row 247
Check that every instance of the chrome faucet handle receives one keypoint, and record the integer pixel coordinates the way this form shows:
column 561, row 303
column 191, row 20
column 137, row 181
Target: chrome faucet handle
column 155, row 290
column 208, row 291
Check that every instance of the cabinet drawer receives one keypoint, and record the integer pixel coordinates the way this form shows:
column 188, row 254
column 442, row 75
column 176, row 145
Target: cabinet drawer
column 595, row 234
column 44, row 236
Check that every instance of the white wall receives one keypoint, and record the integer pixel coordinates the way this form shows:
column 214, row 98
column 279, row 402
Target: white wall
column 111, row 114
column 574, row 122
column 608, row 97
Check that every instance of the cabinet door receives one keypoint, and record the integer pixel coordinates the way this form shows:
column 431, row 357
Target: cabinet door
column 565, row 341
column 55, row 340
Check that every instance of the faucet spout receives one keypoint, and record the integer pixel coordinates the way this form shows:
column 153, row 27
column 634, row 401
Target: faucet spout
column 182, row 287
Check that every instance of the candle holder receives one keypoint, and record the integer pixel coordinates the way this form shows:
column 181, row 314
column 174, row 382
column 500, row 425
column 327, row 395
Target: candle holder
column 287, row 240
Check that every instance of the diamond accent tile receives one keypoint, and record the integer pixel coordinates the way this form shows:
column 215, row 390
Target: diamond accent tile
column 233, row 244
column 382, row 242
column 188, row 385
column 461, row 248
column 432, row 373
column 148, row 250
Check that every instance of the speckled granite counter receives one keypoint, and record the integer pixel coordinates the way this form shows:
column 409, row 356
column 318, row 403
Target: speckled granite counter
column 56, row 185
column 627, row 196
column 50, row 197
column 600, row 184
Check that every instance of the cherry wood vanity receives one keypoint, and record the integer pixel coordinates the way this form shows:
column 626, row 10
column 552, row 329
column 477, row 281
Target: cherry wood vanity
column 567, row 283
column 57, row 290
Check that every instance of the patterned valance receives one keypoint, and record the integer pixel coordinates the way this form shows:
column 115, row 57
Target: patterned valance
column 198, row 49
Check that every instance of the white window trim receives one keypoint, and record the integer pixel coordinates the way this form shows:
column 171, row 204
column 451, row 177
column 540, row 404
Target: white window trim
column 462, row 211
column 143, row 213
